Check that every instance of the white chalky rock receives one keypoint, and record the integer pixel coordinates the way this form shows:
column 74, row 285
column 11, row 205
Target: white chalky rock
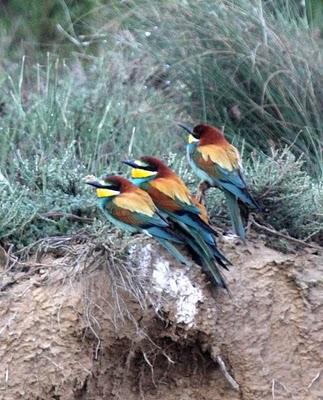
column 169, row 280
column 177, row 284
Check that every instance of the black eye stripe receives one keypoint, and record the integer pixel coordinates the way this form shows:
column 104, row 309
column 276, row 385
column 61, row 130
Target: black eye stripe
column 111, row 187
column 148, row 168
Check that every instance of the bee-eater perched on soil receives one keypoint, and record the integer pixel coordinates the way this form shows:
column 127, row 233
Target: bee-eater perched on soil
column 173, row 199
column 217, row 162
column 131, row 209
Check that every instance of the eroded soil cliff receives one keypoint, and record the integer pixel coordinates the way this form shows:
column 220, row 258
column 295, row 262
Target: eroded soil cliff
column 155, row 330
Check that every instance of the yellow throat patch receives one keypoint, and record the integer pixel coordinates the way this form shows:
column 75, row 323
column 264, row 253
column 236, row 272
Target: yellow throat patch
column 192, row 139
column 101, row 192
column 141, row 173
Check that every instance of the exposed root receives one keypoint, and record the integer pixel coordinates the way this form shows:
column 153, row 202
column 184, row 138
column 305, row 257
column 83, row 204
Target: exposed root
column 316, row 377
column 233, row 383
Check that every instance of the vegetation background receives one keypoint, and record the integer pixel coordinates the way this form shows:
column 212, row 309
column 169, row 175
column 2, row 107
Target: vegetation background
column 84, row 84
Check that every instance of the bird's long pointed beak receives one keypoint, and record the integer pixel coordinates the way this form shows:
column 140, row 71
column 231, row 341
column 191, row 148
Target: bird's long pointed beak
column 93, row 181
column 187, row 128
column 103, row 190
column 96, row 184
column 131, row 163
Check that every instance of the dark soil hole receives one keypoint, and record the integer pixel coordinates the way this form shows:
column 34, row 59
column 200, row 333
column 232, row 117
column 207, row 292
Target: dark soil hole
column 169, row 363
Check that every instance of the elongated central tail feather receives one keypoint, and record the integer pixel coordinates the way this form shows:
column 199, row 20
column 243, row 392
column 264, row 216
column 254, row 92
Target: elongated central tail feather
column 209, row 258
column 234, row 211
column 206, row 255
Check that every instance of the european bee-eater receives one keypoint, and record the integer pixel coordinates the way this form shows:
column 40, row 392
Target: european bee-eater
column 218, row 163
column 173, row 198
column 132, row 209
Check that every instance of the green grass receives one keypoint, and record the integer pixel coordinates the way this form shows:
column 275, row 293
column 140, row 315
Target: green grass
column 47, row 25
column 156, row 63
column 239, row 56
column 254, row 67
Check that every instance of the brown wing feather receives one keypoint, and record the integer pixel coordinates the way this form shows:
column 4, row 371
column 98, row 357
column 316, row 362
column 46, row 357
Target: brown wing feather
column 162, row 200
column 203, row 213
column 173, row 187
column 136, row 201
column 167, row 192
column 124, row 215
column 209, row 156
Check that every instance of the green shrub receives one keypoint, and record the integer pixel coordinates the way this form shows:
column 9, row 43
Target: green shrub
column 291, row 200
column 62, row 122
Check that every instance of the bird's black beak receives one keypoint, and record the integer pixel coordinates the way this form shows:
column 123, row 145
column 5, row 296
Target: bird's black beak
column 187, row 128
column 97, row 184
column 131, row 163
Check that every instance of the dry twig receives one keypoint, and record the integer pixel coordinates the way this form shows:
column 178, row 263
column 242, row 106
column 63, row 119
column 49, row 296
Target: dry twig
column 282, row 235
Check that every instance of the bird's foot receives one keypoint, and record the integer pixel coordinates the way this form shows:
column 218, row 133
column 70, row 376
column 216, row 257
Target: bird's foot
column 232, row 237
column 202, row 188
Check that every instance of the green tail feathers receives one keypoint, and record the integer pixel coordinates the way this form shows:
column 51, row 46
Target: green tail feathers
column 234, row 211
column 173, row 251
column 209, row 263
column 207, row 259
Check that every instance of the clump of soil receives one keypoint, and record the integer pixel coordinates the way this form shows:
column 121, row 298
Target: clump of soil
column 82, row 333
